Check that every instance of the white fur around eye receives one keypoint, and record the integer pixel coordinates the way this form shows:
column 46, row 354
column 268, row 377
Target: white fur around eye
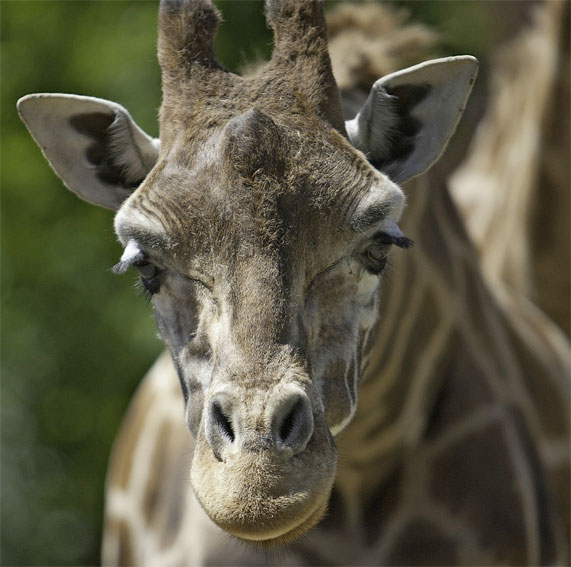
column 131, row 253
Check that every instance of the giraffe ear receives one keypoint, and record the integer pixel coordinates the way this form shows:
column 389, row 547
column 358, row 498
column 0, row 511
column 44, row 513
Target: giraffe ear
column 92, row 144
column 409, row 116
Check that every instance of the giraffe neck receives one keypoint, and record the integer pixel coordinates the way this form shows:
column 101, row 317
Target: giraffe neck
column 450, row 367
column 399, row 383
column 513, row 186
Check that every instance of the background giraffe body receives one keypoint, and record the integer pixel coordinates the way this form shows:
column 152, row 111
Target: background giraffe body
column 513, row 187
column 411, row 488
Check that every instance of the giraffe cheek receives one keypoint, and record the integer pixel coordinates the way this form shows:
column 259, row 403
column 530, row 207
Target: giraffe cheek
column 339, row 391
column 193, row 410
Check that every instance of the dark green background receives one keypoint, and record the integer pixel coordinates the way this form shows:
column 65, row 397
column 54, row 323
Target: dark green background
column 75, row 338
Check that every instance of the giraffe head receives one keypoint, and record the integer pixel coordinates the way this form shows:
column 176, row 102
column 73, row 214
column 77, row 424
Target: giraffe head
column 259, row 226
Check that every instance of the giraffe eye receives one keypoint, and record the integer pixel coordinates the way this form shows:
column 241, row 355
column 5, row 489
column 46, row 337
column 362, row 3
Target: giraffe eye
column 149, row 274
column 376, row 258
column 146, row 270
column 377, row 252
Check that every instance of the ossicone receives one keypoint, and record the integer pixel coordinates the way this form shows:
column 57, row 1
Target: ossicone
column 255, row 143
column 186, row 38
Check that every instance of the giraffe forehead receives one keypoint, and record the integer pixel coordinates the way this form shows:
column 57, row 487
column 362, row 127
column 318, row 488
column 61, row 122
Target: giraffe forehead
column 223, row 199
column 202, row 205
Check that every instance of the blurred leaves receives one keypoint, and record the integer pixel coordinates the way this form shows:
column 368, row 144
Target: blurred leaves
column 75, row 338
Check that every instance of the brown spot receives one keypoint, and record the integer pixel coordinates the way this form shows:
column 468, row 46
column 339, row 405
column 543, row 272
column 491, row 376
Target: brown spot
column 544, row 497
column 561, row 477
column 463, row 389
column 157, row 467
column 164, row 500
column 480, row 308
column 549, row 400
column 425, row 324
column 126, row 555
column 421, row 543
column 435, row 243
column 423, row 330
column 476, row 480
column 121, row 460
column 381, row 506
column 175, row 486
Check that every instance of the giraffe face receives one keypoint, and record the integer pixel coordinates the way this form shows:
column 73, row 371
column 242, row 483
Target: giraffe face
column 259, row 232
column 263, row 272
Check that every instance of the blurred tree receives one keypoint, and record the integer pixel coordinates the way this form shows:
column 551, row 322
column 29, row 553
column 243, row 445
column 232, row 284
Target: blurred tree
column 75, row 339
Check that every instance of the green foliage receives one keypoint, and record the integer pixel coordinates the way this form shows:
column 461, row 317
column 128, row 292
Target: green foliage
column 75, row 338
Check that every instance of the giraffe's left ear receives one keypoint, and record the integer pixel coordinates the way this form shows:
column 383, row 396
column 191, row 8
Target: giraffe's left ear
column 409, row 116
column 93, row 145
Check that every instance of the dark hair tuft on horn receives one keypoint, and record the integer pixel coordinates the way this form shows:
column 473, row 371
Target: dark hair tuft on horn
column 295, row 16
column 186, row 35
column 300, row 49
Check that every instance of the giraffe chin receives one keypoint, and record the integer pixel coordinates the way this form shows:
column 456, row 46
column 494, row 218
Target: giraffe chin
column 291, row 534
column 272, row 533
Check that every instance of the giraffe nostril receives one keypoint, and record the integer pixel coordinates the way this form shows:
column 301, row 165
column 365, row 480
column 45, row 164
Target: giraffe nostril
column 232, row 427
column 293, row 423
column 221, row 427
column 289, row 423
column 222, row 422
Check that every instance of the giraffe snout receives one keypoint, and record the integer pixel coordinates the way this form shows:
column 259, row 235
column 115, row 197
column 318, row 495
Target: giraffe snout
column 264, row 461
column 284, row 424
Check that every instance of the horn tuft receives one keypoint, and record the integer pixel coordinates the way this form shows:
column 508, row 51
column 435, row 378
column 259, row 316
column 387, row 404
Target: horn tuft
column 186, row 36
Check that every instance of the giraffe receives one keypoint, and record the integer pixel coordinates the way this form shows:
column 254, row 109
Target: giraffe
column 513, row 186
column 390, row 499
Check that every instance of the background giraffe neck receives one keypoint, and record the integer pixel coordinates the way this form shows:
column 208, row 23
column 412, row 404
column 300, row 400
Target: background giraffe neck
column 513, row 187
column 400, row 384
column 431, row 305
column 440, row 321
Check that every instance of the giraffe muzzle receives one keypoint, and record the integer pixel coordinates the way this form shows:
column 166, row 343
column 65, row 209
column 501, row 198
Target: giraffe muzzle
column 264, row 462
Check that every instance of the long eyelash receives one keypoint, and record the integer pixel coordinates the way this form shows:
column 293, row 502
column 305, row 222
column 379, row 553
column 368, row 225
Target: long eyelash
column 403, row 242
column 400, row 241
column 144, row 291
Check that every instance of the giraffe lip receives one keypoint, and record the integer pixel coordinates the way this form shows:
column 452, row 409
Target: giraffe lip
column 293, row 514
column 292, row 533
column 261, row 497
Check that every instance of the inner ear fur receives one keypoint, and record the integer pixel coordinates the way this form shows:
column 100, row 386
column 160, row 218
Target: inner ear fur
column 409, row 116
column 92, row 144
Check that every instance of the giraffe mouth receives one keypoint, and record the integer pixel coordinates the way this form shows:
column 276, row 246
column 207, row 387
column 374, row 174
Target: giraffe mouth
column 291, row 533
column 264, row 498
column 268, row 520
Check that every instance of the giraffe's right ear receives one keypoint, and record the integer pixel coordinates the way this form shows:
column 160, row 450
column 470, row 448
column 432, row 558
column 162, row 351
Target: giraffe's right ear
column 92, row 144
